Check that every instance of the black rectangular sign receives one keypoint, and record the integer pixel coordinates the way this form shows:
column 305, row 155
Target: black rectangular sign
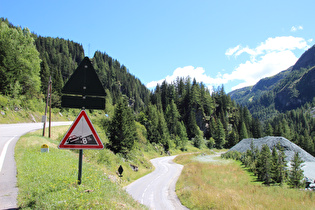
column 78, row 102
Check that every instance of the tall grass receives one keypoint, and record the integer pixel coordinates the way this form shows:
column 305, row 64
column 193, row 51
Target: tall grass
column 228, row 186
column 48, row 180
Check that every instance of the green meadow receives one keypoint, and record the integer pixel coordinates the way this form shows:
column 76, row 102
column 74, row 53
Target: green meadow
column 227, row 185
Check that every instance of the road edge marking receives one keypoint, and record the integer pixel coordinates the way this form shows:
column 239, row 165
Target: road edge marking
column 4, row 152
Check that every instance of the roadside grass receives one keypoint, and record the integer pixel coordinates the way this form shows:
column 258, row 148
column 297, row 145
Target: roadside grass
column 211, row 185
column 48, row 180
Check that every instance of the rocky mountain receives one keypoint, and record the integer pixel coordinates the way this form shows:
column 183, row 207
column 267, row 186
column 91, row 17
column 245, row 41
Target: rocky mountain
column 287, row 90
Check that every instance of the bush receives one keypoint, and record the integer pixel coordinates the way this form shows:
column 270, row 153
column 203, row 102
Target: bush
column 235, row 155
column 3, row 101
column 211, row 143
column 198, row 141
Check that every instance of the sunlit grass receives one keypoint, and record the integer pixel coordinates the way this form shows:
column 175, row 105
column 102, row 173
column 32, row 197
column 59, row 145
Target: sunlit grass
column 48, row 180
column 227, row 186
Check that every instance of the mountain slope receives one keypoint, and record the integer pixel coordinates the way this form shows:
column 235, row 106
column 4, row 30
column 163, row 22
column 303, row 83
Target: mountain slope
column 287, row 90
column 251, row 93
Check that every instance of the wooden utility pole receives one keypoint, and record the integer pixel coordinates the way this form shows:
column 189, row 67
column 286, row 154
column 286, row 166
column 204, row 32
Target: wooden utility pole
column 48, row 96
column 50, row 88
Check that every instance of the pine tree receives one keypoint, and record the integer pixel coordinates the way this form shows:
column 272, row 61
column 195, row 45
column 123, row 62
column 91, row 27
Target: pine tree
column 296, row 172
column 232, row 139
column 198, row 140
column 243, row 132
column 275, row 165
column 44, row 76
column 269, row 130
column 181, row 136
column 122, row 129
column 163, row 131
column 256, row 128
column 172, row 116
column 282, row 165
column 264, row 165
column 220, row 135
column 192, row 127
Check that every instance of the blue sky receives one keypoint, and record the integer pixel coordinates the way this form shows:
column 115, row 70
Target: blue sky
column 234, row 43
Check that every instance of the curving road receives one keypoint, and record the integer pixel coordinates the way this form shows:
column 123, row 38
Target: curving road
column 9, row 134
column 157, row 189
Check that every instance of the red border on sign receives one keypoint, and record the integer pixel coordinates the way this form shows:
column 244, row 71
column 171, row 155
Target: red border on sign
column 83, row 146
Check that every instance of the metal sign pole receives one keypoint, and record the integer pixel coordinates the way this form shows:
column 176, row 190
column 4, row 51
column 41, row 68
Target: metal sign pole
column 80, row 166
column 83, row 108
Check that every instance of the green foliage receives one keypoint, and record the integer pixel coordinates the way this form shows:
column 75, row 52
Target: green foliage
column 243, row 132
column 279, row 165
column 122, row 130
column 3, row 101
column 172, row 113
column 296, row 125
column 211, row 143
column 219, row 135
column 270, row 167
column 191, row 102
column 198, row 141
column 116, row 78
column 235, row 155
column 19, row 62
column 181, row 138
column 47, row 181
column 296, row 172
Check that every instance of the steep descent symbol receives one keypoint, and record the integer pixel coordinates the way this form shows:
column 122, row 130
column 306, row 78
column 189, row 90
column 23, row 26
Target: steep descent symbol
column 81, row 135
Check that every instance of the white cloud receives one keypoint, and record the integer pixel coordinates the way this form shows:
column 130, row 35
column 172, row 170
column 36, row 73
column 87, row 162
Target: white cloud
column 267, row 65
column 295, row 28
column 267, row 59
column 231, row 51
column 197, row 73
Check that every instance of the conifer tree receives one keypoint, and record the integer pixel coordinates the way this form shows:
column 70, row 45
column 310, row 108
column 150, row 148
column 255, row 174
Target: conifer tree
column 282, row 165
column 172, row 116
column 220, row 135
column 44, row 76
column 296, row 172
column 181, row 136
column 232, row 139
column 198, row 140
column 243, row 132
column 192, row 127
column 275, row 165
column 163, row 131
column 269, row 130
column 122, row 129
column 152, row 124
column 264, row 165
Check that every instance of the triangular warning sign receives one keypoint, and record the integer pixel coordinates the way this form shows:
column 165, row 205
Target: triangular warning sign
column 81, row 135
column 84, row 81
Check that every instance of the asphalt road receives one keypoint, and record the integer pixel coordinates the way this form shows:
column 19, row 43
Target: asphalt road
column 157, row 189
column 9, row 135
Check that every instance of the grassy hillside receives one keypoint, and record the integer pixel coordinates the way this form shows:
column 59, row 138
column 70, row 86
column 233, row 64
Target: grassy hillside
column 48, row 180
